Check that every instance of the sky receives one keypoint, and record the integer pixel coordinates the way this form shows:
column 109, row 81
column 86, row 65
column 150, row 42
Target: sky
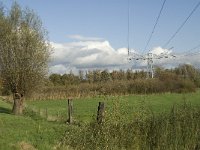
column 93, row 34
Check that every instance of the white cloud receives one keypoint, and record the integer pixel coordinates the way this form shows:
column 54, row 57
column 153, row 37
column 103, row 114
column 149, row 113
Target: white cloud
column 174, row 59
column 93, row 53
column 122, row 51
column 58, row 68
column 86, row 55
column 160, row 50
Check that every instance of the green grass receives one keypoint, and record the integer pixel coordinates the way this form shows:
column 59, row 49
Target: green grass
column 42, row 134
column 85, row 108
column 17, row 130
column 177, row 129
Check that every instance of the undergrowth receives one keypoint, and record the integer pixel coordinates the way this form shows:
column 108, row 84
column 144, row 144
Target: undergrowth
column 178, row 129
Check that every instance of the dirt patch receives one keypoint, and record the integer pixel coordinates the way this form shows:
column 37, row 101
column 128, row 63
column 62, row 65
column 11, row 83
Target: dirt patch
column 26, row 146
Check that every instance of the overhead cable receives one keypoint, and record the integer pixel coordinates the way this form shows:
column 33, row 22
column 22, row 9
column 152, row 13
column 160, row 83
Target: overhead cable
column 128, row 34
column 154, row 27
column 181, row 26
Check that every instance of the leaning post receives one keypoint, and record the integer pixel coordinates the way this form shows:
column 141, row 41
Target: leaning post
column 100, row 112
column 70, row 110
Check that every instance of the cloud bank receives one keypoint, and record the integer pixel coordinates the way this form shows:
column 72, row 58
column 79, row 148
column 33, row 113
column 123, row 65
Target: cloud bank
column 88, row 53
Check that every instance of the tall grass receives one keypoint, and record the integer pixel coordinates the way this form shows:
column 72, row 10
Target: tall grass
column 138, row 86
column 178, row 129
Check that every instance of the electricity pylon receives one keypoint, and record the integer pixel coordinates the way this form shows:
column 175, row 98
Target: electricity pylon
column 149, row 58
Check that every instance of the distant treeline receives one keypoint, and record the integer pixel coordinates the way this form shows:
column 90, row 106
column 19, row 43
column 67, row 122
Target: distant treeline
column 184, row 78
column 98, row 76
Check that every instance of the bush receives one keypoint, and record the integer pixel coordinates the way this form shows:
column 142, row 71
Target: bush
column 180, row 86
column 138, row 86
column 146, row 86
column 178, row 129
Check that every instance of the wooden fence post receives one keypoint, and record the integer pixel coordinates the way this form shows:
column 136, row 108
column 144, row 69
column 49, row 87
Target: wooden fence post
column 70, row 110
column 46, row 113
column 100, row 112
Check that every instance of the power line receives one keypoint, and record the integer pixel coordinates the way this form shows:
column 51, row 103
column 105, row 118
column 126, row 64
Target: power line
column 192, row 49
column 192, row 54
column 188, row 52
column 178, row 30
column 154, row 27
column 128, row 34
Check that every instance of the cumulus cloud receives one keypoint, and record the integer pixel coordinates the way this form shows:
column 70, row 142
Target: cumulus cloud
column 88, row 53
column 173, row 59
column 160, row 50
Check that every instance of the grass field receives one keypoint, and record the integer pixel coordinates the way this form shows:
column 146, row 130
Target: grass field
column 85, row 108
column 18, row 132
column 33, row 131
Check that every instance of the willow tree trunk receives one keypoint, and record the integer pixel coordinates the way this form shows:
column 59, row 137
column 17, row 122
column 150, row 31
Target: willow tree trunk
column 18, row 104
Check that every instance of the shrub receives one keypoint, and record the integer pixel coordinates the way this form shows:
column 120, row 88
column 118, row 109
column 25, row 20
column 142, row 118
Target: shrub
column 179, row 129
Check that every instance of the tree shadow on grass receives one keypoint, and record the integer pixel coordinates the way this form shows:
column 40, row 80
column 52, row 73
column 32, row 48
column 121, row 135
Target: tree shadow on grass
column 5, row 110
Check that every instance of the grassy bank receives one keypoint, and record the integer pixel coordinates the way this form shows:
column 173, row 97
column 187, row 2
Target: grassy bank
column 25, row 132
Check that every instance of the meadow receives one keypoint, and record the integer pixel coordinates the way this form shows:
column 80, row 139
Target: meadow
column 157, row 121
column 28, row 131
column 84, row 109
column 153, row 108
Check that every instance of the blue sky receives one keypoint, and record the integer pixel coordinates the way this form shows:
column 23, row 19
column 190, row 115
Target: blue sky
column 108, row 20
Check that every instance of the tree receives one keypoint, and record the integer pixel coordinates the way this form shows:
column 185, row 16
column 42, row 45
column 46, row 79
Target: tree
column 121, row 75
column 129, row 74
column 189, row 72
column 24, row 53
column 105, row 76
column 70, row 79
column 56, row 79
column 81, row 75
column 114, row 75
column 90, row 76
column 96, row 75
